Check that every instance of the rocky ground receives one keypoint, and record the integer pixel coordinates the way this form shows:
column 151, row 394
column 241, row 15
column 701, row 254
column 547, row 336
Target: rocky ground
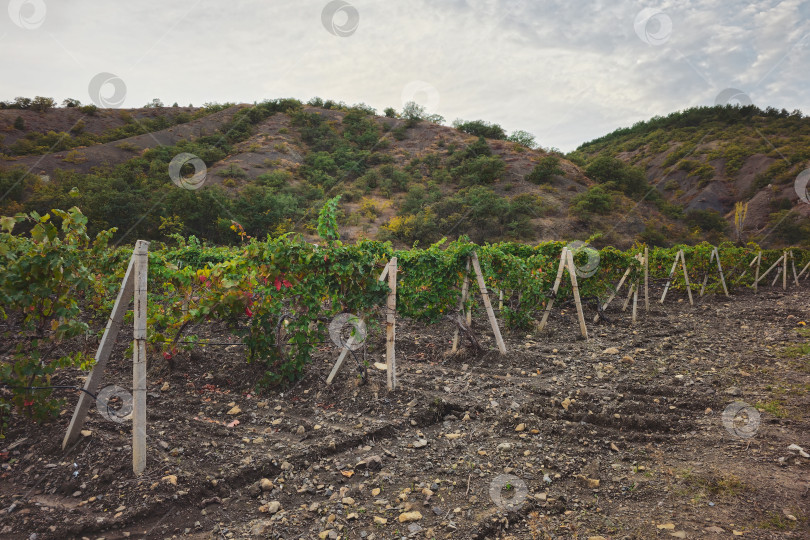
column 620, row 436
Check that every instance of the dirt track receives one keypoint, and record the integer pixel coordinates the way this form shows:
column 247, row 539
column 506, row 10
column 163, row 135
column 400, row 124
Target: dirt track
column 627, row 445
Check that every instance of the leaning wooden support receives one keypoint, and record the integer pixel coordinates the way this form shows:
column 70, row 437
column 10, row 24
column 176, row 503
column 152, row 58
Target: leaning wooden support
column 805, row 269
column 554, row 289
column 669, row 278
column 614, row 293
column 756, row 276
column 572, row 272
column 768, row 271
column 720, row 269
column 103, row 353
column 487, row 304
column 629, row 296
column 784, row 270
column 465, row 286
column 141, row 268
column 777, row 276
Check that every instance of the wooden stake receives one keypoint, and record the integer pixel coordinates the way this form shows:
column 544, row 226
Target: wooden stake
column 482, row 287
column 465, row 286
column 572, row 271
column 635, row 304
column 768, row 271
column 141, row 267
column 646, row 278
column 806, row 267
column 793, row 265
column 784, row 270
column 102, row 355
column 555, row 288
column 756, row 277
column 629, row 296
column 776, row 277
column 613, row 294
column 390, row 326
column 343, row 353
column 500, row 300
column 669, row 279
column 686, row 278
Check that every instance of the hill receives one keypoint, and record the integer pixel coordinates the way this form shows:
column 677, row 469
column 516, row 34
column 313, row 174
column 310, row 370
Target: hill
column 271, row 165
column 706, row 159
column 401, row 177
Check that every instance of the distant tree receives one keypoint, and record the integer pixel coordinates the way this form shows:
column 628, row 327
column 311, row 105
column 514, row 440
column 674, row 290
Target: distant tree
column 70, row 102
column 42, row 104
column 154, row 104
column 596, row 200
column 707, row 220
column 390, row 112
column 315, row 102
column 175, row 104
column 22, row 103
column 618, row 175
column 523, row 138
column 480, row 128
column 19, row 123
column 414, row 113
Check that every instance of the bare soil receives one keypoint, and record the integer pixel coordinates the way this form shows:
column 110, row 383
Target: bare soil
column 626, row 445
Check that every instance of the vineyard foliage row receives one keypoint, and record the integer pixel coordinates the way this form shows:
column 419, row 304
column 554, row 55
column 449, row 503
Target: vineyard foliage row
column 57, row 284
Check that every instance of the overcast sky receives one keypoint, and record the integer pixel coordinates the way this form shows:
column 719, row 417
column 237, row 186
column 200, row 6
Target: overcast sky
column 565, row 70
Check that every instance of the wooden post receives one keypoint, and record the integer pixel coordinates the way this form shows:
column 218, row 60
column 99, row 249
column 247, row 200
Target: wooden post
column 482, row 287
column 756, row 276
column 500, row 300
column 646, row 278
column 793, row 265
column 572, row 272
column 555, row 288
column 669, row 279
column 784, row 270
column 390, row 326
column 686, row 278
column 141, row 267
column 613, row 294
column 635, row 304
column 465, row 286
column 102, row 355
